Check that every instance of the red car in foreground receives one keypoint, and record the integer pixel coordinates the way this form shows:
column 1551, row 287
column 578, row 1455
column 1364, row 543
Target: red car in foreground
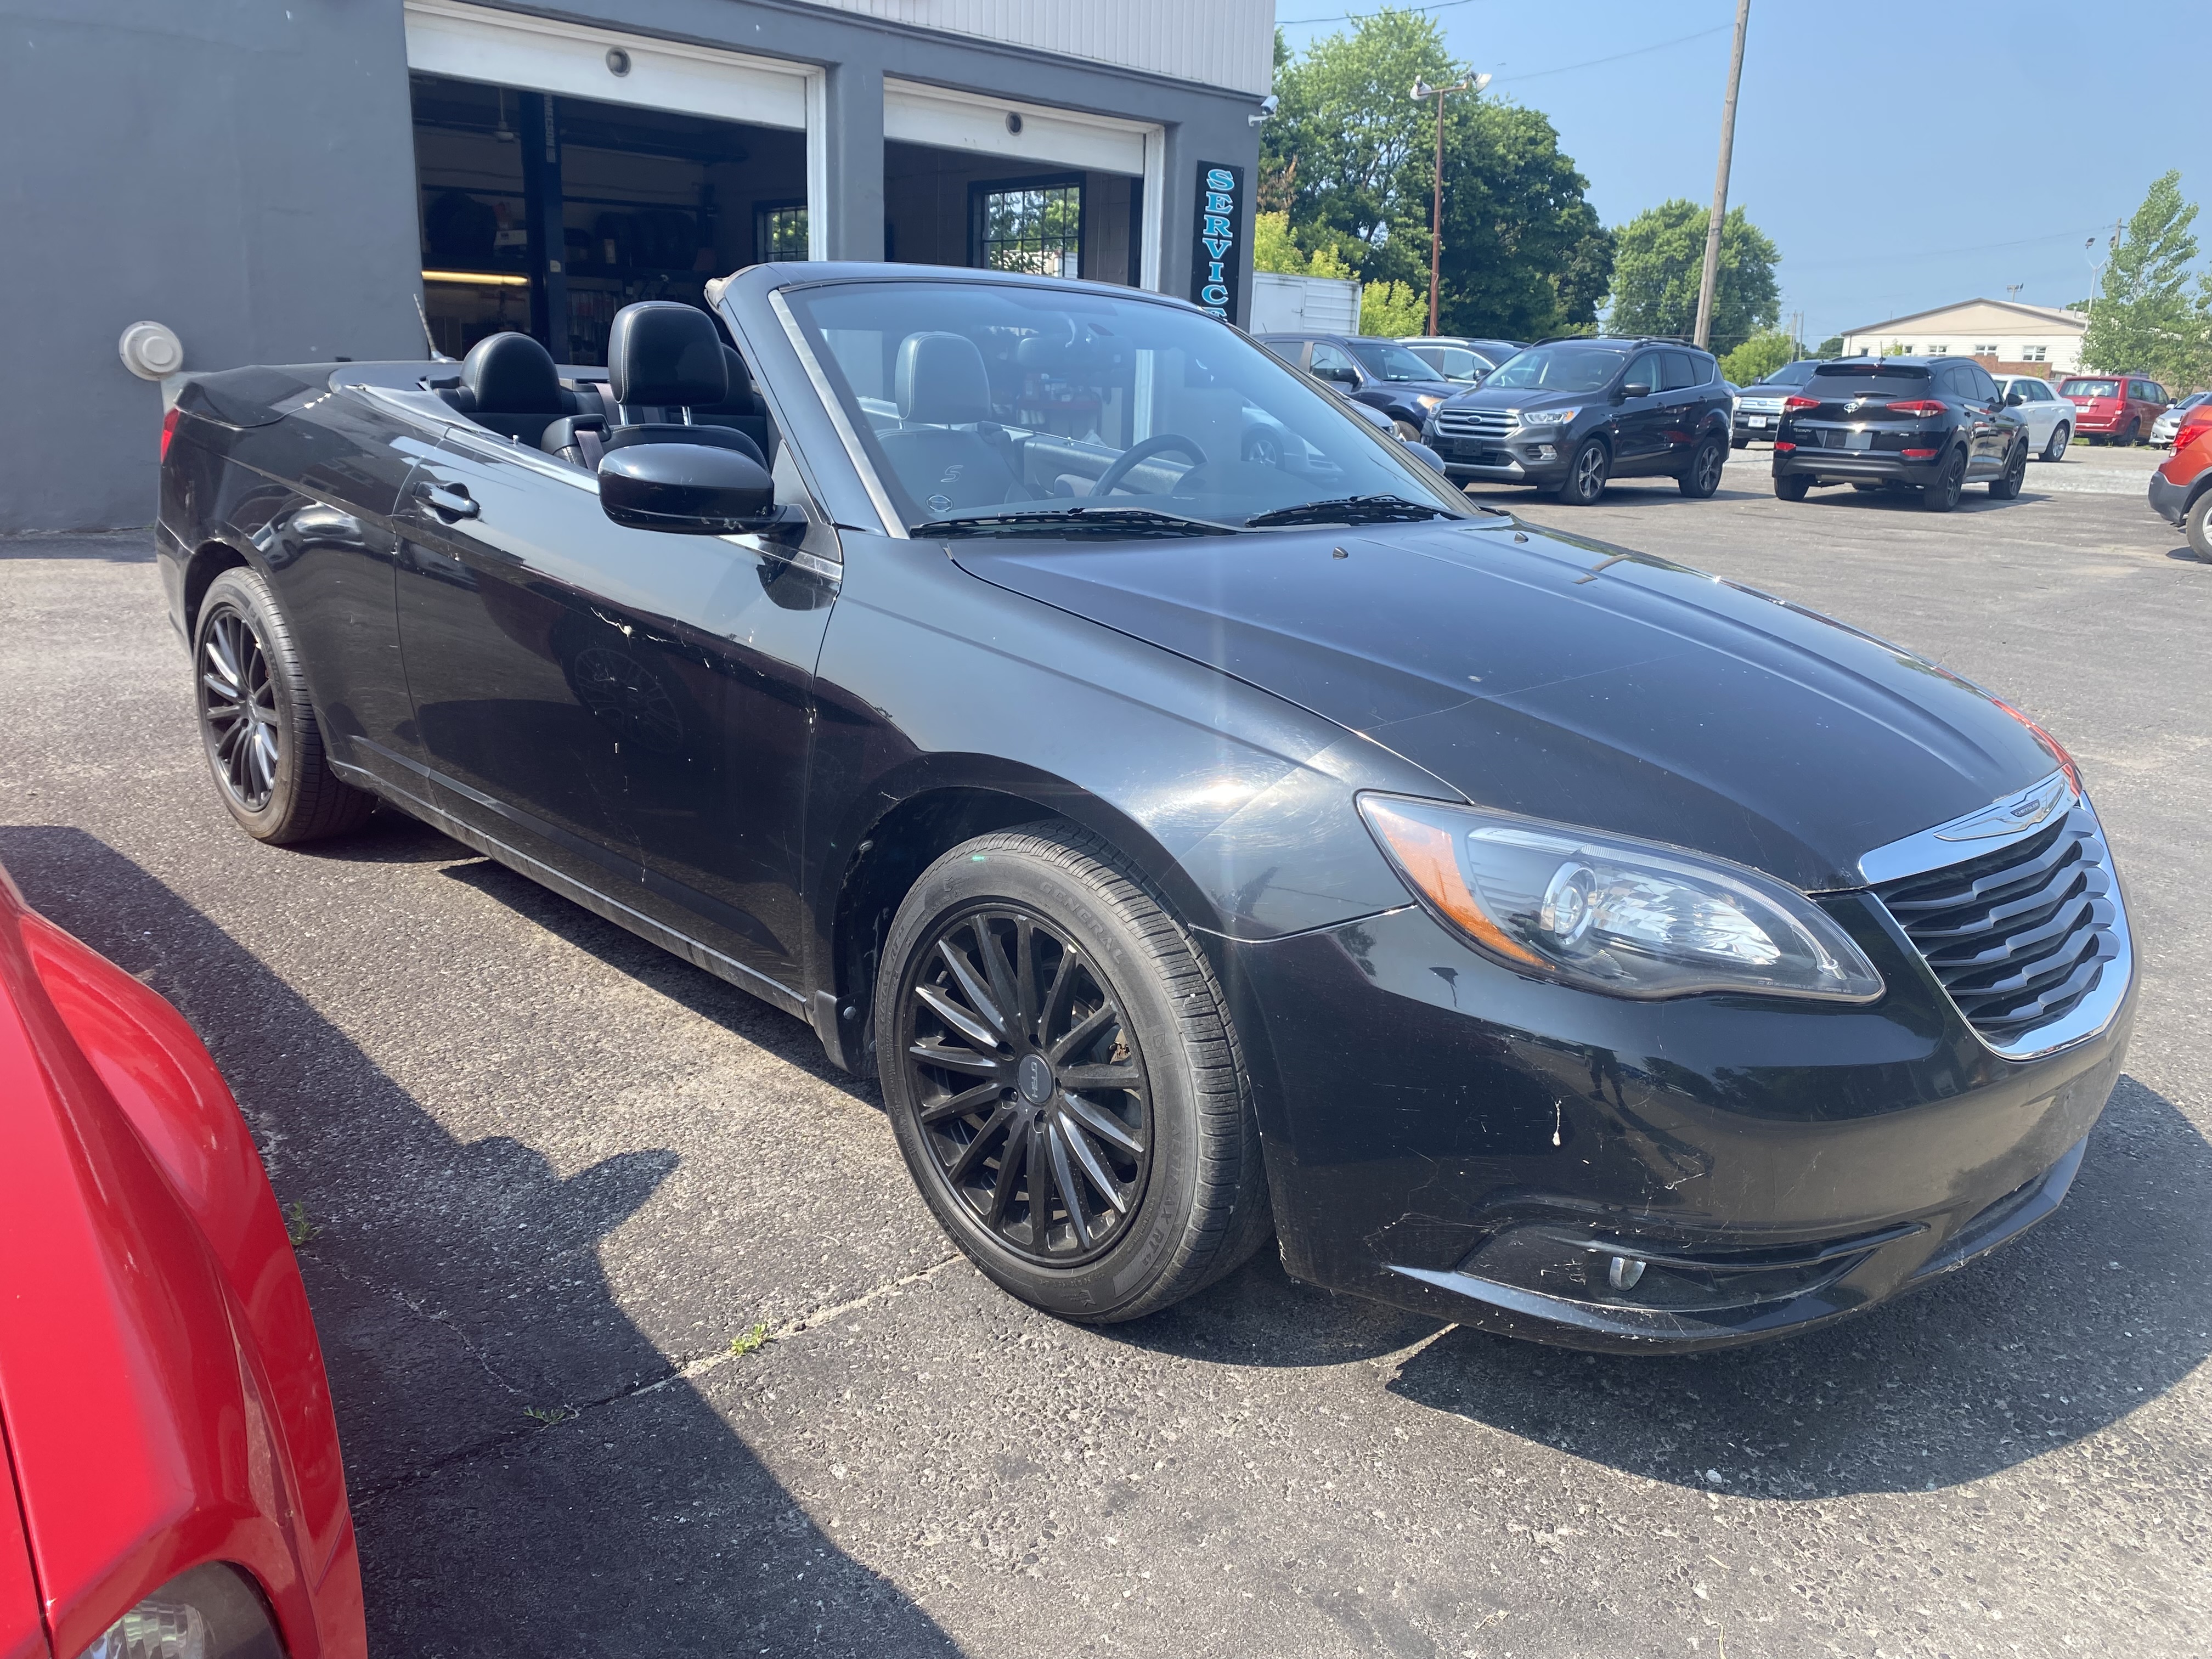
column 172, row 1485
column 2181, row 489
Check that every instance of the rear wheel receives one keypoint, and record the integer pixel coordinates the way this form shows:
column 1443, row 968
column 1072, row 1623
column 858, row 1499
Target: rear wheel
column 1586, row 474
column 2132, row 436
column 1943, row 495
column 2006, row 484
column 2061, row 436
column 257, row 723
column 1063, row 1079
column 1703, row 479
column 2198, row 525
column 1792, row 486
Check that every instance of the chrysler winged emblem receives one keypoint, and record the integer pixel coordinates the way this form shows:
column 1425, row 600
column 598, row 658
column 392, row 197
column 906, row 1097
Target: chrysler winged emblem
column 2009, row 817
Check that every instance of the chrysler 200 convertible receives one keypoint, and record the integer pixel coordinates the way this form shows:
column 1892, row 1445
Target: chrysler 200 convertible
column 1201, row 839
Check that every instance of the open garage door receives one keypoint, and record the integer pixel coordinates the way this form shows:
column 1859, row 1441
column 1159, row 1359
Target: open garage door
column 969, row 180
column 563, row 172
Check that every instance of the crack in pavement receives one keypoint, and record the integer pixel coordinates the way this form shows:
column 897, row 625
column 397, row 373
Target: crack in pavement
column 677, row 1372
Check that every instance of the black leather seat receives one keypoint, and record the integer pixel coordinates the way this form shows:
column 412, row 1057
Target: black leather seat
column 509, row 384
column 662, row 355
column 943, row 462
column 742, row 410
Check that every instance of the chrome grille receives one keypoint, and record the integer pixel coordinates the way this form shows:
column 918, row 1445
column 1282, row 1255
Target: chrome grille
column 1475, row 423
column 2029, row 939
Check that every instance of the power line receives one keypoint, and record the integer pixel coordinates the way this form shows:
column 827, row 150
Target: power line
column 1680, row 40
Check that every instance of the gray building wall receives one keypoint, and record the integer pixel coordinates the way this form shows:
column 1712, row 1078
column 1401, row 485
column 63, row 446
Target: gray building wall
column 244, row 171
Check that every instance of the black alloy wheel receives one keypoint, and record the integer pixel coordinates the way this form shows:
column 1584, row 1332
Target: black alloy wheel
column 1029, row 1088
column 1942, row 494
column 1792, row 486
column 2061, row 436
column 2006, row 485
column 1586, row 473
column 258, row 725
column 1702, row 480
column 1064, row 1082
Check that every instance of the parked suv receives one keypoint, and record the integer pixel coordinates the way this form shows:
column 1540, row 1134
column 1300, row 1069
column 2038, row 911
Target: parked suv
column 2181, row 489
column 1461, row 361
column 1381, row 374
column 2114, row 408
column 1928, row 425
column 1570, row 414
column 1758, row 408
column 2049, row 417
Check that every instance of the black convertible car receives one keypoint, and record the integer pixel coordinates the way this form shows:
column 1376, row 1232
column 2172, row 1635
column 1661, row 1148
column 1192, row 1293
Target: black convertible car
column 1528, row 931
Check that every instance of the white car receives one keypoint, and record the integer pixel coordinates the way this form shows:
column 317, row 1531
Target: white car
column 2049, row 417
column 2163, row 429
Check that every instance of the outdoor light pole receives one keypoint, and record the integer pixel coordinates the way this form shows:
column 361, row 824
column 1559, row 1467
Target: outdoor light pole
column 1711, row 279
column 1423, row 89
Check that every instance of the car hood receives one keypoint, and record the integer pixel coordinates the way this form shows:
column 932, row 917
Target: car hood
column 1568, row 680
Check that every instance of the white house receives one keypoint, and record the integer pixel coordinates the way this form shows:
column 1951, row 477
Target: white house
column 2005, row 336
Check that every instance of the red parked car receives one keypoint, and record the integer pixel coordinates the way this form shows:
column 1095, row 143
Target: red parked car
column 173, row 1484
column 2181, row 489
column 2114, row 408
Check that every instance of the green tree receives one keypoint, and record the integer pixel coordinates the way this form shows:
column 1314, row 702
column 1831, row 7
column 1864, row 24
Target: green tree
column 1393, row 310
column 1274, row 249
column 1660, row 258
column 1831, row 347
column 2145, row 320
column 1760, row 356
column 1349, row 158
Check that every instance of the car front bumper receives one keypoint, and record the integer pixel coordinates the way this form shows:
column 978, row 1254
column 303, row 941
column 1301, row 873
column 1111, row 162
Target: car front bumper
column 1520, row 459
column 1448, row 1137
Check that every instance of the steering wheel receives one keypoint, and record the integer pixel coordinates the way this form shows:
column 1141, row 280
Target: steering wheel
column 1135, row 453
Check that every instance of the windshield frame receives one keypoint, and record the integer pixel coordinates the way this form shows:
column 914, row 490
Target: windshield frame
column 840, row 402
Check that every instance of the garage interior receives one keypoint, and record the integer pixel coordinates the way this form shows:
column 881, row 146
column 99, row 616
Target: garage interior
column 649, row 204
column 946, row 207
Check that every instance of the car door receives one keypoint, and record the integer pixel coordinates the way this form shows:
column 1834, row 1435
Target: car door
column 1684, row 401
column 1961, row 384
column 1333, row 364
column 2041, row 410
column 1639, row 424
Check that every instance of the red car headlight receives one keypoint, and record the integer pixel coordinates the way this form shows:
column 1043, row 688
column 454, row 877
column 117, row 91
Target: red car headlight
column 213, row 1612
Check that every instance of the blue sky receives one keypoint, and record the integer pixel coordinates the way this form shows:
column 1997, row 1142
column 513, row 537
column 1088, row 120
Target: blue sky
column 1885, row 196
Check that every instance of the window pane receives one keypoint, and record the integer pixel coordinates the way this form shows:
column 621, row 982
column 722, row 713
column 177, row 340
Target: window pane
column 1037, row 230
column 782, row 233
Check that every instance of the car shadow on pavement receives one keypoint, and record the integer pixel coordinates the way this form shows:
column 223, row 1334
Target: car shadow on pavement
column 2092, row 1316
column 530, row 1474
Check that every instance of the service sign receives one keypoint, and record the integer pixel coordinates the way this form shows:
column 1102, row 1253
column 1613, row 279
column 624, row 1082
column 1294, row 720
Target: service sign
column 1216, row 261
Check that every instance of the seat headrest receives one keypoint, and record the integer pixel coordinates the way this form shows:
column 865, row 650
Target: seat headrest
column 940, row 379
column 511, row 374
column 742, row 399
column 661, row 352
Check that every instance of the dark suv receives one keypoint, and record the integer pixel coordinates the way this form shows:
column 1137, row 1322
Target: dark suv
column 1570, row 414
column 1930, row 425
column 1381, row 374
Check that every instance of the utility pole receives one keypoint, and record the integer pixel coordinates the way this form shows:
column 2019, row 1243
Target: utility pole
column 1422, row 89
column 1705, row 284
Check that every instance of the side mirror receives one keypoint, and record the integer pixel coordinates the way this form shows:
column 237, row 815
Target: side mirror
column 1636, row 389
column 1339, row 373
column 2015, row 399
column 687, row 489
column 1427, row 456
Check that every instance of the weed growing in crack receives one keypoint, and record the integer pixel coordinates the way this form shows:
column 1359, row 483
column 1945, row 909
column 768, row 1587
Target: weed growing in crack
column 752, row 1342
column 297, row 1227
column 549, row 1415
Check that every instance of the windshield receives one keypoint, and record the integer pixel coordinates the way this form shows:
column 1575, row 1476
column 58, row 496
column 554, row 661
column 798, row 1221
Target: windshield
column 1556, row 369
column 2090, row 388
column 1005, row 401
column 1390, row 362
column 1794, row 374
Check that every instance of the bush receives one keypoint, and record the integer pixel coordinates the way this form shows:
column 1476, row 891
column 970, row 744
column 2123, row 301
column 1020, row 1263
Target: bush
column 1759, row 357
column 1392, row 310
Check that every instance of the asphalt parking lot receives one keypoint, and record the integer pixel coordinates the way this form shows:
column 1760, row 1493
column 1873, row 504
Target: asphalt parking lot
column 552, row 1174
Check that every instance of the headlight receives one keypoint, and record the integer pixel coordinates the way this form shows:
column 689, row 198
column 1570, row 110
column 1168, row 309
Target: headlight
column 1429, row 399
column 1547, row 416
column 210, row 1613
column 1631, row 918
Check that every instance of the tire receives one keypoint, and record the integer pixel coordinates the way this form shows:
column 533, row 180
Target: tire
column 1792, row 486
column 2132, row 436
column 1587, row 472
column 2196, row 524
column 1702, row 481
column 258, row 725
column 1406, row 430
column 2006, row 485
column 1943, row 495
column 1738, row 443
column 1144, row 1227
column 2061, row 436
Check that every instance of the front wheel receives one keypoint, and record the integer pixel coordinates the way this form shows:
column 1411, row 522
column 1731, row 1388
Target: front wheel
column 2006, row 484
column 1702, row 480
column 1061, row 1073
column 1406, row 430
column 2061, row 436
column 1792, row 486
column 1942, row 494
column 2198, row 525
column 257, row 723
column 1586, row 474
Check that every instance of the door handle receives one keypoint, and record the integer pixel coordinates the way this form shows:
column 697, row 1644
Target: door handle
column 454, row 503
